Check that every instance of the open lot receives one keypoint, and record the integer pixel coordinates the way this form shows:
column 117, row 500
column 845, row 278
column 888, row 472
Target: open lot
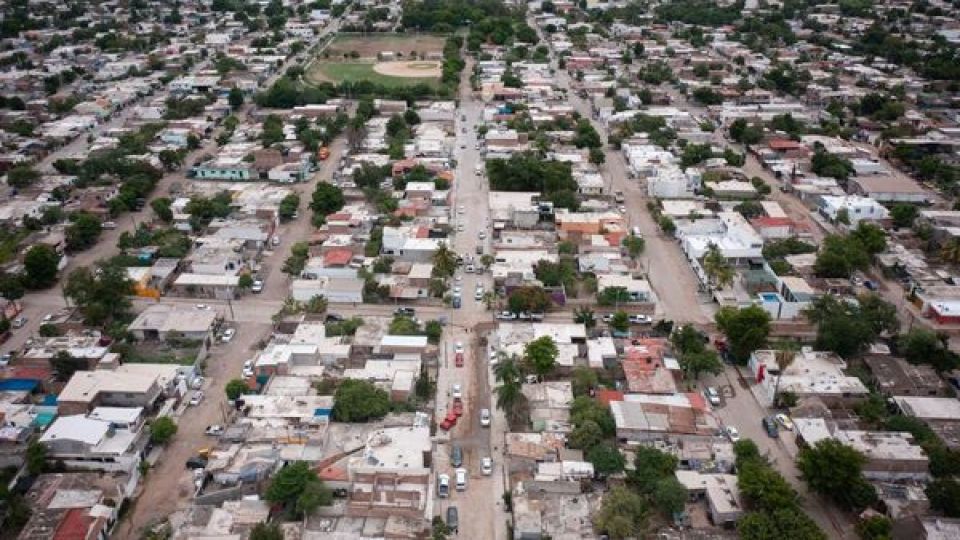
column 370, row 45
column 354, row 58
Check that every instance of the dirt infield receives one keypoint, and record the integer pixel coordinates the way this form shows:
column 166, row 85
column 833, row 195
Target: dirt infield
column 416, row 69
column 370, row 45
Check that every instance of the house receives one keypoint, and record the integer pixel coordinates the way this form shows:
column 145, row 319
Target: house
column 646, row 418
column 940, row 414
column 890, row 455
column 720, row 491
column 890, row 188
column 792, row 297
column 398, row 457
column 76, row 505
column 926, row 528
column 896, row 377
column 855, row 207
column 88, row 442
column 812, row 374
column 128, row 385
column 638, row 290
column 160, row 321
column 334, row 289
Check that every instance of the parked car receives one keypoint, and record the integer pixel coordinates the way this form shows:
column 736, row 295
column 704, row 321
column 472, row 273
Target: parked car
column 641, row 319
column 443, row 485
column 457, row 392
column 248, row 368
column 770, row 426
column 484, row 417
column 458, row 358
column 257, row 286
column 732, row 433
column 197, row 383
column 215, row 430
column 407, row 311
column 333, row 317
column 712, row 395
column 456, row 456
column 506, row 316
column 19, row 322
column 196, row 462
column 486, row 466
column 453, row 521
column 196, row 398
column 461, row 479
column 228, row 335
column 458, row 347
column 785, row 421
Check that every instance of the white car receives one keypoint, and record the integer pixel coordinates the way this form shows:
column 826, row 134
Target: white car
column 197, row 383
column 486, row 466
column 733, row 434
column 457, row 290
column 622, row 209
column 458, row 347
column 785, row 421
column 461, row 209
column 485, row 417
column 460, row 227
column 202, row 306
column 469, row 269
column 228, row 335
column 482, row 235
column 248, row 368
column 215, row 430
column 712, row 395
column 457, row 392
column 196, row 398
column 257, row 286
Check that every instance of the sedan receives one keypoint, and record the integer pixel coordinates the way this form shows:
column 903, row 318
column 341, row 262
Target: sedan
column 486, row 466
column 196, row 398
column 215, row 430
column 228, row 335
column 458, row 347
column 733, row 434
column 640, row 319
column 484, row 417
column 457, row 392
column 785, row 421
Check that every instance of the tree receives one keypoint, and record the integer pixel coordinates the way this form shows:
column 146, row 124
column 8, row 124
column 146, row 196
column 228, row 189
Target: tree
column 839, row 256
column 634, row 245
column 944, row 496
column 903, row 215
column 922, row 346
column 586, row 435
column 695, row 363
column 611, row 296
column 444, row 261
column 359, row 401
column 669, row 496
column 162, row 430
column 161, row 207
column 606, row 459
column 36, row 458
column 266, row 531
column 622, row 514
column 64, row 365
column 784, row 357
column 510, row 399
column 717, row 268
column 620, row 321
column 541, row 355
column 745, row 133
column 102, row 297
column 583, row 380
column 528, row 299
column 22, row 176
column 171, row 159
column 245, row 281
column 235, row 98
column 834, row 469
column 847, row 328
column 597, row 156
column 746, row 329
column 871, row 237
column 298, row 489
column 236, row 388
column 41, row 266
column 875, row 528
column 83, row 232
column 327, row 199
column 289, row 206
column 584, row 316
column 783, row 524
column 650, row 466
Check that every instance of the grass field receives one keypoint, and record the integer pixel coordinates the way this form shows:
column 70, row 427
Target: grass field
column 368, row 45
column 335, row 71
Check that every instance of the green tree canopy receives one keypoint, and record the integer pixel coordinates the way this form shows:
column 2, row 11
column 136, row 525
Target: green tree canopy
column 746, row 329
column 834, row 469
column 162, row 430
column 236, row 388
column 298, row 489
column 359, row 401
column 40, row 265
column 541, row 355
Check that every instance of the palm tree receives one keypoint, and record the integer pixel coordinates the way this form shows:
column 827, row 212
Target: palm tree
column 584, row 316
column 718, row 270
column 509, row 376
column 950, row 253
column 784, row 356
column 444, row 261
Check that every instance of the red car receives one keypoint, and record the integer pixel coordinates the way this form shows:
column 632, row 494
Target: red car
column 449, row 421
column 459, row 359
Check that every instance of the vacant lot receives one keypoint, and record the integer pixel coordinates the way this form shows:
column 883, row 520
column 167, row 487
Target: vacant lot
column 367, row 46
column 354, row 58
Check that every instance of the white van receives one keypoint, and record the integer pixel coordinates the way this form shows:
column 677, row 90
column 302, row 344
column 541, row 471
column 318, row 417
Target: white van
column 461, row 479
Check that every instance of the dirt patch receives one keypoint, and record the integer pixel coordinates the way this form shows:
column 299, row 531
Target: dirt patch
column 370, row 46
column 408, row 69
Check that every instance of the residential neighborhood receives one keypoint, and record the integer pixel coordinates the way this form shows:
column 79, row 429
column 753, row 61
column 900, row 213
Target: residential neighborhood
column 480, row 269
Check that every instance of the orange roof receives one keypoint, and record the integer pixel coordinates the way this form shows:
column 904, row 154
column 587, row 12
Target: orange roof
column 697, row 401
column 423, row 232
column 767, row 221
column 337, row 257
column 333, row 472
column 784, row 144
column 605, row 396
column 74, row 525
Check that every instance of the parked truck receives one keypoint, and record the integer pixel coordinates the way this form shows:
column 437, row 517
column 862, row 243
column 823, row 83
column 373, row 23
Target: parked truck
column 323, row 153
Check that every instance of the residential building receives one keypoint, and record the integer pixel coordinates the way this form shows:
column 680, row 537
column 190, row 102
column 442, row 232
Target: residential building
column 812, row 374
